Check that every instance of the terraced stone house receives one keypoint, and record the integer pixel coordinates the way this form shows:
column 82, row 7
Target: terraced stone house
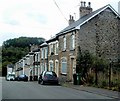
column 96, row 31
column 53, row 57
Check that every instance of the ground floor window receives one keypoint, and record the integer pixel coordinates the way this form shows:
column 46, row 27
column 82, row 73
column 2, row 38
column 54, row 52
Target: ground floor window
column 45, row 66
column 42, row 67
column 64, row 66
column 50, row 65
column 57, row 67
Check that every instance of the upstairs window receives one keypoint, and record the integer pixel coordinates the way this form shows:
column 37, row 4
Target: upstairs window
column 51, row 48
column 35, row 57
column 42, row 53
column 56, row 48
column 38, row 56
column 45, row 53
column 72, row 42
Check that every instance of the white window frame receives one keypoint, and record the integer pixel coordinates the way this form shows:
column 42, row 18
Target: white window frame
column 45, row 65
column 73, row 41
column 56, row 48
column 35, row 57
column 46, row 53
column 41, row 67
column 51, row 61
column 42, row 53
column 65, row 62
column 38, row 56
column 57, row 68
column 50, row 48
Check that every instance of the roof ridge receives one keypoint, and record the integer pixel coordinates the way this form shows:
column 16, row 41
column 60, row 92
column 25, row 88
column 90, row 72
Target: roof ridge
column 84, row 19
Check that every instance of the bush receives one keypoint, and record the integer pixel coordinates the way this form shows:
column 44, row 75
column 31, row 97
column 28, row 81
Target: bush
column 103, row 84
column 91, row 79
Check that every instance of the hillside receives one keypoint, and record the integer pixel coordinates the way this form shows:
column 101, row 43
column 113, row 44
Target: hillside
column 15, row 49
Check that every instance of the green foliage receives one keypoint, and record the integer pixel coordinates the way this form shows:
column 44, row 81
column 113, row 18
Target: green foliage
column 85, row 62
column 23, row 42
column 13, row 54
column 15, row 49
column 4, row 64
column 91, row 79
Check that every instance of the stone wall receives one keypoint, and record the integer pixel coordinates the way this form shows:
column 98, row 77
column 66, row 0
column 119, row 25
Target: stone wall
column 68, row 54
column 100, row 35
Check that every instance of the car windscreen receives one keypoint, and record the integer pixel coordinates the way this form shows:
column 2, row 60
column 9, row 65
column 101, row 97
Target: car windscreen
column 11, row 75
column 22, row 75
column 51, row 74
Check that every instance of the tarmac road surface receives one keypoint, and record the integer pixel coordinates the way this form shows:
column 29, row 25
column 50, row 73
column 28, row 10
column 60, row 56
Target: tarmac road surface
column 33, row 90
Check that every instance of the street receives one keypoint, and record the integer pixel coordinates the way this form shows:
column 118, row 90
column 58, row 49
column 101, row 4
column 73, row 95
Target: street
column 33, row 90
column 0, row 88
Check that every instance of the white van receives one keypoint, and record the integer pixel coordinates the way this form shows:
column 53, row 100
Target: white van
column 10, row 77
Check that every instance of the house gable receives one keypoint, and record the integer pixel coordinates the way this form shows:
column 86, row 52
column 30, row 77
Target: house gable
column 108, row 8
column 76, row 25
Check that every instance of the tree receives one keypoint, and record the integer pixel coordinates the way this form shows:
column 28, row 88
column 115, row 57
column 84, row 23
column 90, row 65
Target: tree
column 83, row 64
column 15, row 49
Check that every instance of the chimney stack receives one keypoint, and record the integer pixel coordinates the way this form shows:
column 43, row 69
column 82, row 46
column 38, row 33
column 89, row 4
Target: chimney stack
column 84, row 10
column 71, row 20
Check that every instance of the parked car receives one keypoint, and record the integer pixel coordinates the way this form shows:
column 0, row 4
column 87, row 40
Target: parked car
column 48, row 77
column 22, row 77
column 10, row 78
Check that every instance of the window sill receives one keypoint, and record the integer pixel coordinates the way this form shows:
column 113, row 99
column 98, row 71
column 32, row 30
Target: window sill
column 63, row 50
column 72, row 49
column 65, row 74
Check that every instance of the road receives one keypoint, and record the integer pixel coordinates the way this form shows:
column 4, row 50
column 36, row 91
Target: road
column 33, row 90
column 0, row 88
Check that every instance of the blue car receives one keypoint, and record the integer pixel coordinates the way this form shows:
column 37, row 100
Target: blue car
column 22, row 77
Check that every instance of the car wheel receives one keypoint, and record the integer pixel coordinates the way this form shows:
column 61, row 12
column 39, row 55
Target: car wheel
column 38, row 81
column 42, row 82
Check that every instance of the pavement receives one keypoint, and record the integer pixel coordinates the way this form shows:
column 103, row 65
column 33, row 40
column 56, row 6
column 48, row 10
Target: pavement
column 100, row 91
column 0, row 88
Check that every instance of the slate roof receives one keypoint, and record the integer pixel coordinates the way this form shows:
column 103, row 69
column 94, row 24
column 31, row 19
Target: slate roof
column 36, row 50
column 84, row 19
column 43, row 44
column 54, row 38
column 10, row 66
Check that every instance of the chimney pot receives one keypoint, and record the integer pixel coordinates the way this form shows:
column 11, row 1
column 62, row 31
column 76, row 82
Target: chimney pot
column 72, row 18
column 81, row 3
column 84, row 4
column 89, row 4
column 84, row 10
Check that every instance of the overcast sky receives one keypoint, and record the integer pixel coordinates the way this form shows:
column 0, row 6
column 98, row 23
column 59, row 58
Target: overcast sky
column 40, row 18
